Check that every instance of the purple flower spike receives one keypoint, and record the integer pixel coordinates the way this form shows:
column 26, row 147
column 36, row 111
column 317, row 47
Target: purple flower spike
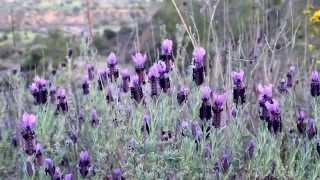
column 153, row 75
column 68, row 177
column 40, row 81
column 139, row 60
column 28, row 121
column 217, row 108
column 196, row 131
column 218, row 100
column 238, row 89
column 283, row 87
column 61, row 92
column 205, row 109
column 162, row 67
column 90, row 71
column 146, row 124
column 62, row 105
column 135, row 81
column 273, row 107
column 85, row 84
column 250, row 147
column 39, row 154
column 206, row 92
column 198, row 56
column 116, row 174
column 315, row 84
column 39, row 90
column 125, row 80
column 315, row 76
column 125, row 73
column 237, row 77
column 84, row 163
column 136, row 89
column 166, row 47
column 265, row 91
column 274, row 118
column 225, row 161
column 94, row 117
column 49, row 167
column 311, row 128
column 301, row 125
column 290, row 75
column 301, row 115
column 153, row 71
column 182, row 95
column 198, row 69
column 112, row 59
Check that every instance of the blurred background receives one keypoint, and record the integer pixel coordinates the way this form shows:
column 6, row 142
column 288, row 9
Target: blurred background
column 34, row 34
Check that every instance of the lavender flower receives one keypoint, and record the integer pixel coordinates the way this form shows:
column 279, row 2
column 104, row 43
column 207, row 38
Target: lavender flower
column 146, row 124
column 166, row 47
column 131, row 144
column 62, row 105
column 153, row 75
column 39, row 155
column 196, row 132
column 136, row 89
column 166, row 135
column 311, row 128
column 205, row 109
column 112, row 62
column 182, row 95
column 27, row 124
column 39, row 90
column 315, row 84
column 139, row 60
column 94, row 117
column 81, row 116
column 290, row 75
column 85, row 85
column 164, row 79
column 217, row 108
column 84, row 163
column 57, row 174
column 225, row 161
column 301, row 124
column 49, row 167
column 125, row 80
column 112, row 59
column 68, row 177
column 198, row 56
column 90, row 71
column 265, row 95
column 117, row 174
column 69, row 52
column 198, row 69
column 166, row 54
column 250, row 148
column 274, row 123
column 283, row 87
column 184, row 125
column 239, row 88
column 28, row 121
